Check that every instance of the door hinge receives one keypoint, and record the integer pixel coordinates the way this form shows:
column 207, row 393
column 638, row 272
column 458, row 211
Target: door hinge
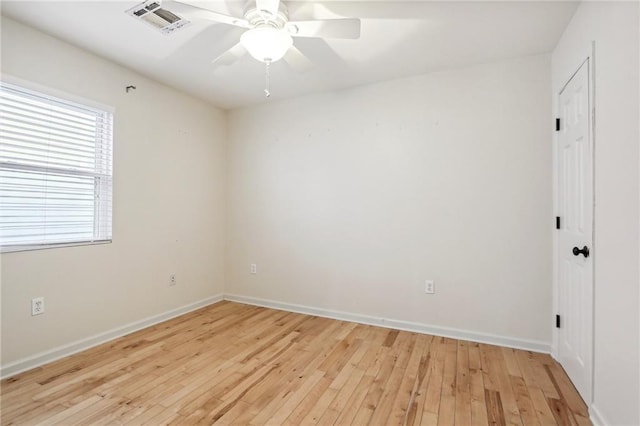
column 557, row 124
column 557, row 321
column 557, row 222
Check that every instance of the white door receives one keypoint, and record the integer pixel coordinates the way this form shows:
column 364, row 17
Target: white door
column 575, row 251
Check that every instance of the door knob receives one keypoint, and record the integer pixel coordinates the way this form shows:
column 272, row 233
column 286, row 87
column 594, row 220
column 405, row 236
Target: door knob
column 584, row 251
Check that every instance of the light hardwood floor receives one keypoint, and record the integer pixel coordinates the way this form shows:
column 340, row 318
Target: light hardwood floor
column 233, row 363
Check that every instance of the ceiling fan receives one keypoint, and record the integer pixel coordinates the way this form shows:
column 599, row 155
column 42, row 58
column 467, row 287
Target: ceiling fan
column 269, row 32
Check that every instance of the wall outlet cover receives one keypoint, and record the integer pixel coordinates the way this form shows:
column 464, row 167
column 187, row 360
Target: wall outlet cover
column 429, row 287
column 37, row 306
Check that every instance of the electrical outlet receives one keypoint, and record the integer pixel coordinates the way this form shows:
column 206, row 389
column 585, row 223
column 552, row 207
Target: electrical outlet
column 429, row 287
column 37, row 306
column 254, row 268
column 172, row 279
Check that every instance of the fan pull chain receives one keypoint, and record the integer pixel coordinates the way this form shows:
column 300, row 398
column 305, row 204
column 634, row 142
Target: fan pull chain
column 267, row 93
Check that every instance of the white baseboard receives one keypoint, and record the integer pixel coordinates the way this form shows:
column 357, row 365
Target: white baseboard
column 89, row 342
column 596, row 416
column 529, row 345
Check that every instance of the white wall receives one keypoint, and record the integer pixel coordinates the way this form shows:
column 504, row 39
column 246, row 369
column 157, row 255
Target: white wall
column 168, row 206
column 614, row 28
column 349, row 200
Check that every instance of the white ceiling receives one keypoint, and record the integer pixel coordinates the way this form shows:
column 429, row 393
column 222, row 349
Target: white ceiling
column 399, row 38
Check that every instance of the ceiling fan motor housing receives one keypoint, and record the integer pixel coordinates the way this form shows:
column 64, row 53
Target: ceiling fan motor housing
column 260, row 17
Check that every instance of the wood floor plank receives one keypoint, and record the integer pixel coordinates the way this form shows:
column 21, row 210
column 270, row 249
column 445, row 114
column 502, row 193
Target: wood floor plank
column 476, row 385
column 375, row 390
column 308, row 402
column 280, row 391
column 500, row 376
column 345, row 384
column 511, row 362
column 408, row 390
column 566, row 389
column 561, row 412
column 540, row 404
column 296, row 398
column 339, row 377
column 495, row 411
column 463, row 385
column 418, row 394
column 434, row 385
column 406, row 343
column 230, row 417
column 150, row 412
column 370, row 366
column 523, row 400
column 446, row 413
column 535, row 373
column 230, row 363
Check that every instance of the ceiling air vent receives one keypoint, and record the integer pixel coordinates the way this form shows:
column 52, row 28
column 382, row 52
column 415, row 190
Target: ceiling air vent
column 161, row 19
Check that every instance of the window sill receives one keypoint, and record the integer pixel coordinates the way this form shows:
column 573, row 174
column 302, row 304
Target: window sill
column 14, row 249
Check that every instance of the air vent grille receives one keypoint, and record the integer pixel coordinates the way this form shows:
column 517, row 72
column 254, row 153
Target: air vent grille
column 154, row 15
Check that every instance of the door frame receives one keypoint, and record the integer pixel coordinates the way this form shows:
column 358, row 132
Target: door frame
column 589, row 57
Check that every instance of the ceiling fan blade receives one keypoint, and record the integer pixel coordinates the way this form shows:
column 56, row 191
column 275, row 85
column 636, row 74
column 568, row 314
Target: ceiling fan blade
column 231, row 55
column 192, row 12
column 297, row 60
column 325, row 28
column 268, row 7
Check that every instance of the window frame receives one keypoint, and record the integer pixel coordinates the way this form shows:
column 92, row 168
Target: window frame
column 90, row 104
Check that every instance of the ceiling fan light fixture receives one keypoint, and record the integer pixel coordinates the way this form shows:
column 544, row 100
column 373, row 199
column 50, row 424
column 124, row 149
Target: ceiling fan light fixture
column 266, row 43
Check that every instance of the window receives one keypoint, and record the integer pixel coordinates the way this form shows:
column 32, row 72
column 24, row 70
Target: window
column 55, row 171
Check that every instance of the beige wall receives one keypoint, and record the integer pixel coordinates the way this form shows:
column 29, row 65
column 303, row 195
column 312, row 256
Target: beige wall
column 168, row 206
column 614, row 28
column 349, row 200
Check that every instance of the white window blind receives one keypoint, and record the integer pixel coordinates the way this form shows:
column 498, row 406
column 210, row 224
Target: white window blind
column 55, row 171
